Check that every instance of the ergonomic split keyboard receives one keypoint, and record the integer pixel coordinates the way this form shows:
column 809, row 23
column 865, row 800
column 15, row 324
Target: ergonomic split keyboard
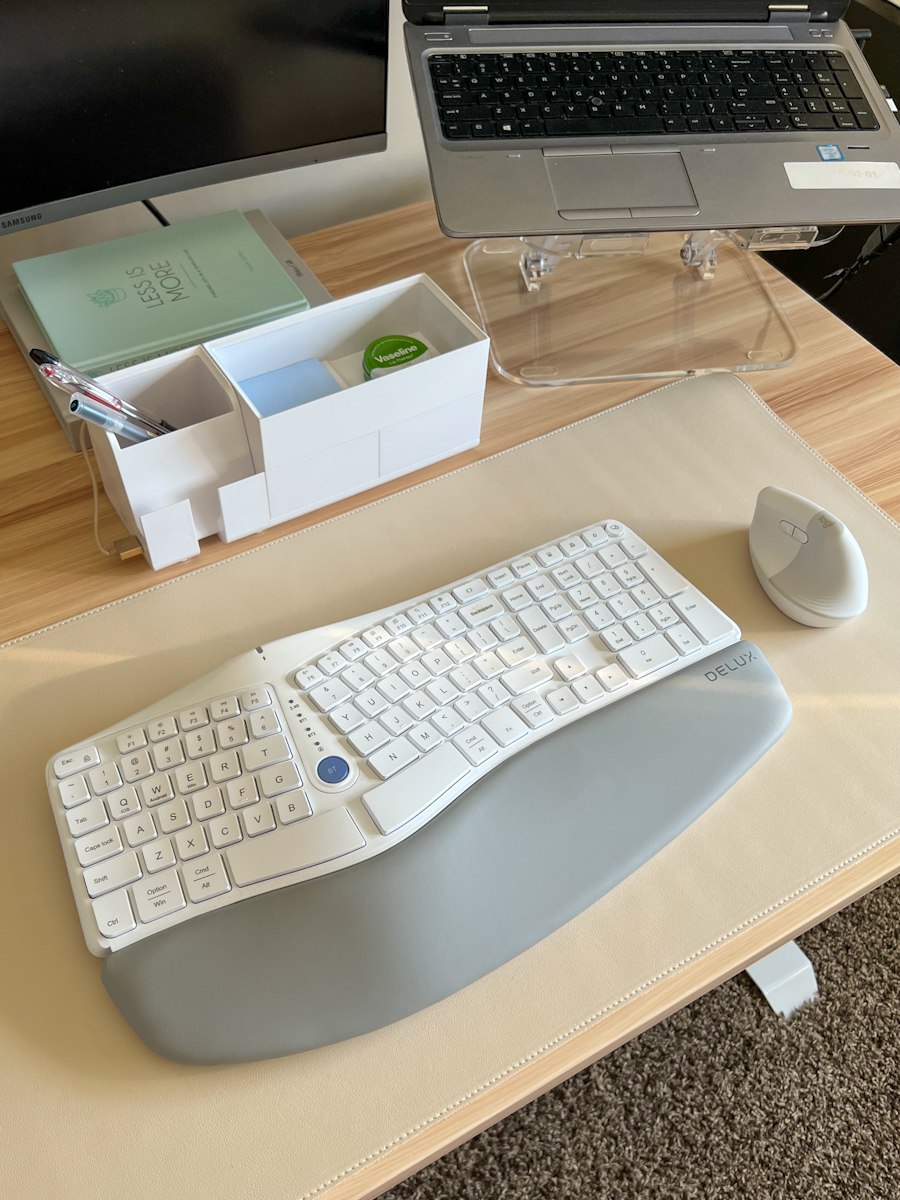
column 320, row 750
column 593, row 93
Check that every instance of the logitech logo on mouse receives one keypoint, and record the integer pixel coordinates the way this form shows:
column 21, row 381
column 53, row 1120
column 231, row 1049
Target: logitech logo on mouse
column 724, row 669
column 823, row 521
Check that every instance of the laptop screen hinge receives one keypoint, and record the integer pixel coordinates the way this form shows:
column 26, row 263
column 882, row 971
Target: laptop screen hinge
column 465, row 14
column 788, row 13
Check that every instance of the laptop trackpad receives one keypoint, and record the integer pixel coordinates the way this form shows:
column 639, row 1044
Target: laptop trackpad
column 626, row 185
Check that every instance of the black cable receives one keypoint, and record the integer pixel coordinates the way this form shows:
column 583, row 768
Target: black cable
column 878, row 243
column 148, row 204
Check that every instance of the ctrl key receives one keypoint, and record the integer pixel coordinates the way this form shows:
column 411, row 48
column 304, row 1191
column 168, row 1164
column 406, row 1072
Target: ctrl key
column 113, row 914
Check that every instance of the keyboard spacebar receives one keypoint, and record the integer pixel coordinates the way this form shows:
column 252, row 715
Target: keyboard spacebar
column 409, row 793
column 314, row 840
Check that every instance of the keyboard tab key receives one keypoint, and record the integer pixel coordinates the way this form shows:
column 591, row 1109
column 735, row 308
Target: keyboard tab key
column 87, row 818
column 158, row 896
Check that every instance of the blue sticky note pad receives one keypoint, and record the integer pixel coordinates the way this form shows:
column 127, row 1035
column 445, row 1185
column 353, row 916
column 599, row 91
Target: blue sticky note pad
column 289, row 387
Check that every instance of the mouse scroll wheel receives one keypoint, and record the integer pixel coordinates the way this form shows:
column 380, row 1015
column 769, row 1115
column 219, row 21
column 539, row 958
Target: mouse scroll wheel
column 792, row 531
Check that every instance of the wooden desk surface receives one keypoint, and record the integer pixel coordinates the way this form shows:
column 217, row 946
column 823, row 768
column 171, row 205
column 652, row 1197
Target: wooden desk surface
column 839, row 395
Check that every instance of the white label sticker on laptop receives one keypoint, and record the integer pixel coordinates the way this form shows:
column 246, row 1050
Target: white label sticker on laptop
column 806, row 176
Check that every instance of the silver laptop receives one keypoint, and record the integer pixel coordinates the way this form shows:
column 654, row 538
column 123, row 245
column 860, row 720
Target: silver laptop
column 573, row 116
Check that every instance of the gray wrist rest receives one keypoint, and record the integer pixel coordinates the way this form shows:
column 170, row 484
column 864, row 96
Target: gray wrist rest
column 524, row 850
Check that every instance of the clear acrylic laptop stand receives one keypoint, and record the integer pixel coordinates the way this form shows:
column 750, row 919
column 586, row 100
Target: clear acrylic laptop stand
column 588, row 308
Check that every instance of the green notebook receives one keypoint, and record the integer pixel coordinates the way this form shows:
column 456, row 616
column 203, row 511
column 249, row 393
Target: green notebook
column 126, row 301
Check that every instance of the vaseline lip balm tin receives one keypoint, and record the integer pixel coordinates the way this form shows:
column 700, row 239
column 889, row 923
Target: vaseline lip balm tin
column 392, row 353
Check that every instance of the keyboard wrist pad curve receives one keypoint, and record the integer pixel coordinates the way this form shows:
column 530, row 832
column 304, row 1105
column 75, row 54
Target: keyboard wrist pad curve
column 518, row 855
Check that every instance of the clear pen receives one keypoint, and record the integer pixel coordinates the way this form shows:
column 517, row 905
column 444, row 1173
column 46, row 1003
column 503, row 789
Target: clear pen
column 102, row 415
column 72, row 381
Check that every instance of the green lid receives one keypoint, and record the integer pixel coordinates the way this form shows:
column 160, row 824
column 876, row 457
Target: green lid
column 392, row 353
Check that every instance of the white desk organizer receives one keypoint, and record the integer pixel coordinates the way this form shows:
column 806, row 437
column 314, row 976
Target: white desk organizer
column 230, row 471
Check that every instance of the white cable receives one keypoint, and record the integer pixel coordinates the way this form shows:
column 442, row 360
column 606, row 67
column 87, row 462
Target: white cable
column 84, row 451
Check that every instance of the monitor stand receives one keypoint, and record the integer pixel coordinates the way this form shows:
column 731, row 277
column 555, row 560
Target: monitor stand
column 586, row 309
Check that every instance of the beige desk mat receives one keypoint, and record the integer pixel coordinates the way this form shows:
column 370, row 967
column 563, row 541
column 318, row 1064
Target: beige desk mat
column 87, row 1111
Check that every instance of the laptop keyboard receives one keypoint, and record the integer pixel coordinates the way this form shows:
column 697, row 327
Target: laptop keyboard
column 589, row 93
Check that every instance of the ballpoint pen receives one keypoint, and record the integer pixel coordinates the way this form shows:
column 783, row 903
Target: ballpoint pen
column 74, row 382
column 102, row 415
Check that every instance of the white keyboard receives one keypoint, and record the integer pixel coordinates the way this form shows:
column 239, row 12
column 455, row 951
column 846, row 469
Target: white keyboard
column 323, row 749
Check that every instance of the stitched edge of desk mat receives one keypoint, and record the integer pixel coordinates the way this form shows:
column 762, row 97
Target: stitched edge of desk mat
column 664, row 973
column 89, row 612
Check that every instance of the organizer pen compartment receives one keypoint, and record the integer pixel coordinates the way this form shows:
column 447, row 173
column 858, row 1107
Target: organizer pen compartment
column 207, row 450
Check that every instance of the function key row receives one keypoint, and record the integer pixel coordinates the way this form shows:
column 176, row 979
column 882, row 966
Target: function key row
column 164, row 728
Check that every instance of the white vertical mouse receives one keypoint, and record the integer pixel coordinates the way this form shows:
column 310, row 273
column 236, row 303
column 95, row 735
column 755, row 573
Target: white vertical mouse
column 808, row 562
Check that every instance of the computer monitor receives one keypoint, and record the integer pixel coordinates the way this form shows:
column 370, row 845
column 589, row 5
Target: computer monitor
column 111, row 102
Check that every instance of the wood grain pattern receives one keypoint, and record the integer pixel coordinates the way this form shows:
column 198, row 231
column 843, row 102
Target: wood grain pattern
column 839, row 395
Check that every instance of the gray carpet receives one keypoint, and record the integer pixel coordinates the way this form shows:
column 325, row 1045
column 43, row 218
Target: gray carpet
column 724, row 1099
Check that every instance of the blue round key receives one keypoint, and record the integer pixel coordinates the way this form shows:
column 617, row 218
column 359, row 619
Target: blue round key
column 333, row 769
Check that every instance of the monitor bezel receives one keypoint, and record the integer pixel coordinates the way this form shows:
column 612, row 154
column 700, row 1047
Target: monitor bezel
column 182, row 181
